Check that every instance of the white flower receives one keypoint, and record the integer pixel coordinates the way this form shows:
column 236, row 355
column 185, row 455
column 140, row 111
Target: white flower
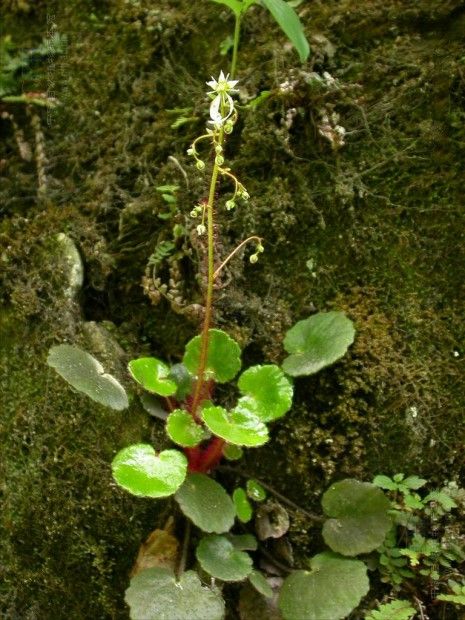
column 222, row 106
column 222, row 85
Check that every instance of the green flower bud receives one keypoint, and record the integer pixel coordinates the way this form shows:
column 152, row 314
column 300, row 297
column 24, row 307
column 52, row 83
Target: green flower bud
column 253, row 258
column 218, row 149
column 219, row 160
column 230, row 204
column 191, row 151
column 260, row 248
column 228, row 127
column 194, row 213
column 200, row 165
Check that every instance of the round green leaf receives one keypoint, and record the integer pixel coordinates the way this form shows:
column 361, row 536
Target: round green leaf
column 223, row 359
column 152, row 374
column 332, row 589
column 360, row 517
column 237, row 427
column 140, row 471
column 206, row 503
column 84, row 373
column 317, row 342
column 255, row 491
column 154, row 594
column 242, row 505
column 183, row 430
column 259, row 582
column 267, row 392
column 219, row 558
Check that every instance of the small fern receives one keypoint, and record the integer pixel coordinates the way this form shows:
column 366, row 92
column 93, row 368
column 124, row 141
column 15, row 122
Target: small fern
column 161, row 252
column 396, row 610
column 458, row 596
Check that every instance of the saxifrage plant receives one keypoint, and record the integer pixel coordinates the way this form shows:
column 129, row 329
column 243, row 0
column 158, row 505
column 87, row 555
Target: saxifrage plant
column 204, row 431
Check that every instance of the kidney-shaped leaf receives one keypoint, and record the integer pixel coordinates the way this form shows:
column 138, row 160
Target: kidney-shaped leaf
column 84, row 373
column 331, row 590
column 206, row 504
column 238, row 427
column 360, row 517
column 140, row 471
column 155, row 594
column 267, row 392
column 183, row 430
column 220, row 558
column 223, row 358
column 317, row 342
column 152, row 374
column 289, row 21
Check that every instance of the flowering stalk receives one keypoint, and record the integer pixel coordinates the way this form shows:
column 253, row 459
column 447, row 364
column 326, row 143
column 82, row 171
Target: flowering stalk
column 223, row 115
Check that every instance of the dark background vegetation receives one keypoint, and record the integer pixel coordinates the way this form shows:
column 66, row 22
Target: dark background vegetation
column 375, row 228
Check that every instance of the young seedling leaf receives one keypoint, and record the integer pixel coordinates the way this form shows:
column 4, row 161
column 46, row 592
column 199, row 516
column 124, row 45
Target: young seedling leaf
column 237, row 427
column 317, row 342
column 241, row 503
column 206, row 504
column 232, row 452
column 395, row 610
column 360, row 517
column 155, row 594
column 234, row 5
column 267, row 392
column 255, row 491
column 183, row 430
column 332, row 589
column 290, row 23
column 223, row 358
column 259, row 582
column 140, row 471
column 152, row 375
column 219, row 558
column 84, row 373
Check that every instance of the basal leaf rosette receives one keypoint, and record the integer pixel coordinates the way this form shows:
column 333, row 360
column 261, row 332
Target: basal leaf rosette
column 239, row 427
column 221, row 559
column 330, row 590
column 153, row 375
column 317, row 342
column 183, row 429
column 359, row 514
column 223, row 358
column 156, row 594
column 267, row 392
column 205, row 502
column 86, row 374
column 140, row 471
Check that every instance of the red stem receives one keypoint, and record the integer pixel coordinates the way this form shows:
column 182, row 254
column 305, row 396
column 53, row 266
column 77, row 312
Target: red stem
column 204, row 460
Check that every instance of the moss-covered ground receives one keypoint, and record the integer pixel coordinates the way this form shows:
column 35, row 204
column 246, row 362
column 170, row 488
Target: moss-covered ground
column 375, row 228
